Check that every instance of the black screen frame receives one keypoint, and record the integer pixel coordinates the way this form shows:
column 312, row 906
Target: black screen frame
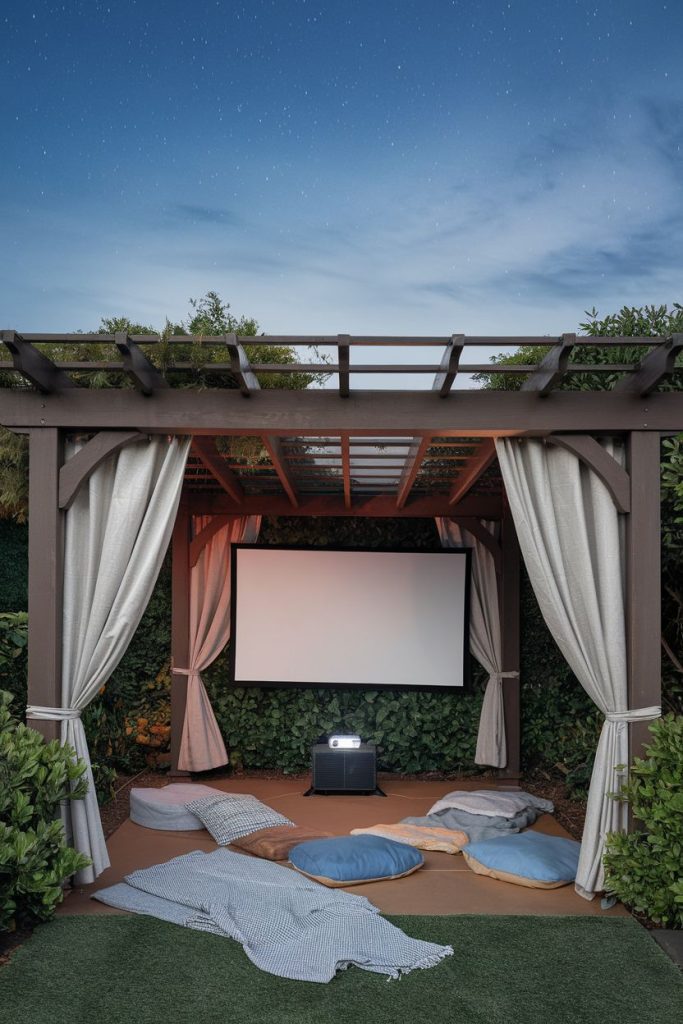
column 278, row 685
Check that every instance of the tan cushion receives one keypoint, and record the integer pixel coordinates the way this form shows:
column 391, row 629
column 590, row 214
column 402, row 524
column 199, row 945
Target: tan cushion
column 276, row 842
column 424, row 837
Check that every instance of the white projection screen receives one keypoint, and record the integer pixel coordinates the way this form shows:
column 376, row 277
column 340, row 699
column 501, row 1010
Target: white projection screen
column 303, row 616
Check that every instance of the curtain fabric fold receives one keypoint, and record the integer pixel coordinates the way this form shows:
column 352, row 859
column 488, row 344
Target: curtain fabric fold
column 570, row 537
column 485, row 639
column 202, row 746
column 116, row 534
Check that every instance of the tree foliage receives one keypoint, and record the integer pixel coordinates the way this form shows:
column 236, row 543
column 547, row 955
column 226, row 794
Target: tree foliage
column 640, row 321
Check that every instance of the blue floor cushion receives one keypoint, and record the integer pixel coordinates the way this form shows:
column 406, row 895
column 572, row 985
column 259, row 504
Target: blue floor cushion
column 526, row 858
column 351, row 860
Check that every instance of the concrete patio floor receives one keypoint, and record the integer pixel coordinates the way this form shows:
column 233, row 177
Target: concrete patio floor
column 445, row 885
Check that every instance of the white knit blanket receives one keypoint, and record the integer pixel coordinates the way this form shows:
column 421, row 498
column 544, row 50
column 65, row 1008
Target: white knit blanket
column 287, row 924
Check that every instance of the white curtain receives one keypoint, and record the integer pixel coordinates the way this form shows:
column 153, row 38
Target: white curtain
column 570, row 537
column 202, row 746
column 117, row 532
column 485, row 639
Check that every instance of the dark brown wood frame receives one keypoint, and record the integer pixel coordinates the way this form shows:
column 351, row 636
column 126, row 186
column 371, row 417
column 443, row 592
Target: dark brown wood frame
column 424, row 426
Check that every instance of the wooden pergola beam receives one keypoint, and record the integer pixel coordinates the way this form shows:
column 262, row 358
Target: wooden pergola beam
column 443, row 381
column 414, row 458
column 144, row 374
column 346, row 469
column 364, row 505
column 655, row 367
column 472, row 471
column 45, row 576
column 551, row 368
column 205, row 449
column 274, row 448
column 344, row 363
column 643, row 583
column 318, row 412
column 247, row 381
column 32, row 364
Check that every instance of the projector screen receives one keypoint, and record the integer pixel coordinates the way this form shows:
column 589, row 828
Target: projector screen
column 316, row 616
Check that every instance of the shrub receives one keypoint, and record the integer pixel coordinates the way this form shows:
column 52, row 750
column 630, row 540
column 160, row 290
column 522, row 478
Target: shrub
column 34, row 858
column 13, row 653
column 643, row 868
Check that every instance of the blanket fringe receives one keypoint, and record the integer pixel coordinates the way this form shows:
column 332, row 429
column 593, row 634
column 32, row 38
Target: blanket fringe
column 422, row 965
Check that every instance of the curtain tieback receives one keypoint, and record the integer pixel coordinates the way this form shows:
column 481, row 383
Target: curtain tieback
column 636, row 715
column 52, row 714
column 184, row 671
column 505, row 675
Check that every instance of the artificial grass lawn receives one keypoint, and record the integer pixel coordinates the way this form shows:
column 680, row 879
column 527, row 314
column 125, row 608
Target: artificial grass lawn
column 526, row 970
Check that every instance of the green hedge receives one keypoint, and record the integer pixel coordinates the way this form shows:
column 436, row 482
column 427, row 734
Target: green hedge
column 13, row 566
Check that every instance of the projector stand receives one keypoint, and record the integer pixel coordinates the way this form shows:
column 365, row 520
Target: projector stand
column 347, row 770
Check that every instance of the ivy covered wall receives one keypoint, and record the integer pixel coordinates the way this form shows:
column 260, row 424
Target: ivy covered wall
column 415, row 732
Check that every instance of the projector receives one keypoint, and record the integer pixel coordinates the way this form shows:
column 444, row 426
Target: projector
column 344, row 742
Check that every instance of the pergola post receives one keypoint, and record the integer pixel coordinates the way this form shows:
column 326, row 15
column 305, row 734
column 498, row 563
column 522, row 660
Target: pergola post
column 45, row 575
column 180, row 629
column 643, row 583
column 508, row 597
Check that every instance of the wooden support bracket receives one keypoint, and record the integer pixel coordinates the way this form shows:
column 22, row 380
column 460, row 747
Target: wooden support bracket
column 84, row 463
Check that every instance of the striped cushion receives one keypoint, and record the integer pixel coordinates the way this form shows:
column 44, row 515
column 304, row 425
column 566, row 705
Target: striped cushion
column 231, row 816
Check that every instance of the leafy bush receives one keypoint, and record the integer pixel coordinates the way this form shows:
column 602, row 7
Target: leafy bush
column 34, row 858
column 643, row 868
column 13, row 653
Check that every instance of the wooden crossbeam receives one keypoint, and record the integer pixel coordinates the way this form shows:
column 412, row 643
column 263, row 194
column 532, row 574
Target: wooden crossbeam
column 653, row 368
column 364, row 504
column 144, row 374
column 551, row 368
column 317, row 412
column 344, row 362
column 346, row 468
column 240, row 366
column 414, row 458
column 277, row 457
column 443, row 381
column 205, row 449
column 472, row 471
column 35, row 365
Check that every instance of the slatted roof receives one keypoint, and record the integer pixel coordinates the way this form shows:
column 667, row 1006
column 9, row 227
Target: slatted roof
column 345, row 469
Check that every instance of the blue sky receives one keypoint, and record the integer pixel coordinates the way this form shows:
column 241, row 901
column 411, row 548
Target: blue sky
column 413, row 167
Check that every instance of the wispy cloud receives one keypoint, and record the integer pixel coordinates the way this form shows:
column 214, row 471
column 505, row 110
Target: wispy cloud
column 188, row 213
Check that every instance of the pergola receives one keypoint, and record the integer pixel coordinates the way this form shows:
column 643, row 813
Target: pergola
column 346, row 451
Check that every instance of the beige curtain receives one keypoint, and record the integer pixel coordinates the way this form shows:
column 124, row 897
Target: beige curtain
column 485, row 639
column 570, row 537
column 202, row 746
column 116, row 536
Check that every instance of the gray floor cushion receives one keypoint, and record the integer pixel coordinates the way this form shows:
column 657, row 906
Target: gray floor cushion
column 165, row 808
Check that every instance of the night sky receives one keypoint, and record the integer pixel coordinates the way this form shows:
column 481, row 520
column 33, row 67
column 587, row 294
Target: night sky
column 414, row 167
